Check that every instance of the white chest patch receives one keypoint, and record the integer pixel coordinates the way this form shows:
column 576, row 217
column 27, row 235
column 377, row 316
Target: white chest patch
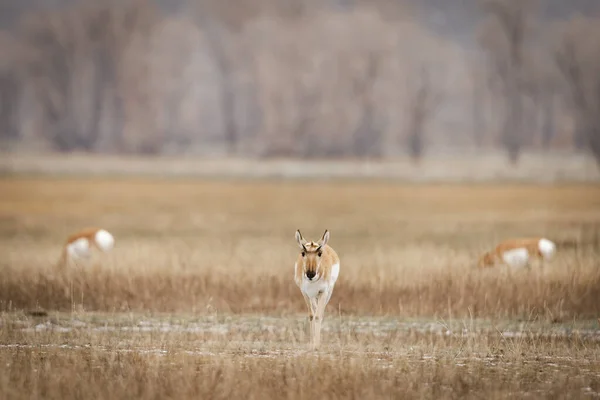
column 79, row 248
column 312, row 289
column 516, row 257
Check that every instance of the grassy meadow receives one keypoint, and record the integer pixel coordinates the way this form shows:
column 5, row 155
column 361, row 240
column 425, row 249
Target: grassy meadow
column 197, row 300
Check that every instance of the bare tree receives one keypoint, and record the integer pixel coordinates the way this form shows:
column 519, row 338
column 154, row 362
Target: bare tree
column 545, row 97
column 9, row 88
column 368, row 133
column 76, row 55
column 50, row 71
column 504, row 36
column 539, row 87
column 221, row 21
column 424, row 98
column 116, row 28
column 548, row 122
column 478, row 100
column 308, row 99
column 300, row 139
column 578, row 59
column 9, row 92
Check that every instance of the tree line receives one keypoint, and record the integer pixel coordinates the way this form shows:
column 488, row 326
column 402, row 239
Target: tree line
column 273, row 78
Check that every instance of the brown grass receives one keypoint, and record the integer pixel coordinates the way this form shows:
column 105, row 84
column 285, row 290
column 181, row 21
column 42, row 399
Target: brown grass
column 411, row 316
column 104, row 357
column 228, row 247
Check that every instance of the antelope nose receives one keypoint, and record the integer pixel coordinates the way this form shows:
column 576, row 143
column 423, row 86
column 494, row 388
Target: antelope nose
column 310, row 274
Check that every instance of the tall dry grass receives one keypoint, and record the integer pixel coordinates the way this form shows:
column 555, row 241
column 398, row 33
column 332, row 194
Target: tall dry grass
column 227, row 246
column 371, row 363
column 178, row 376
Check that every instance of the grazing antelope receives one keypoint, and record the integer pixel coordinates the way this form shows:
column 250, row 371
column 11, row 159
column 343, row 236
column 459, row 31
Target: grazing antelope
column 316, row 270
column 518, row 252
column 79, row 245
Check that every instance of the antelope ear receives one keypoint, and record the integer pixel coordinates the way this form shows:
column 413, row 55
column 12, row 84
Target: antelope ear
column 324, row 239
column 300, row 240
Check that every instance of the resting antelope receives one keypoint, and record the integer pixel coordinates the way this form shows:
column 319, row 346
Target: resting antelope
column 316, row 270
column 518, row 252
column 79, row 245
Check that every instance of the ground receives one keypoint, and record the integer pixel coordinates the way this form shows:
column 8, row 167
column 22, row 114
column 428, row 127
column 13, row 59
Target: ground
column 197, row 300
column 186, row 356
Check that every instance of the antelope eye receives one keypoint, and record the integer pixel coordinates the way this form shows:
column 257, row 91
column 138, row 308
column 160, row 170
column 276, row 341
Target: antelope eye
column 320, row 253
column 303, row 253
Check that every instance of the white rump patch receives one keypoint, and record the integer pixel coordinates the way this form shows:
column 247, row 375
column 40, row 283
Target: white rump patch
column 79, row 248
column 335, row 272
column 104, row 240
column 516, row 257
column 547, row 248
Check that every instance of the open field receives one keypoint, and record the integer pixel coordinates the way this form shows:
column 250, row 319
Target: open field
column 120, row 356
column 228, row 247
column 197, row 299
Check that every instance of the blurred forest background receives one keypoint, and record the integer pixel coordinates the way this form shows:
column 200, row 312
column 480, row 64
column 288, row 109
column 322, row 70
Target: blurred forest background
column 289, row 78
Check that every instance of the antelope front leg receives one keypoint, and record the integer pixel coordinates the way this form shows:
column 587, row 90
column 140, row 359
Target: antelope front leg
column 309, row 305
column 314, row 323
column 320, row 311
column 311, row 315
column 312, row 306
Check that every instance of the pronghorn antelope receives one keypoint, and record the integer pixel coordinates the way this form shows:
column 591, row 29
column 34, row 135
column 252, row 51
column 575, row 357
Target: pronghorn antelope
column 518, row 252
column 316, row 270
column 79, row 245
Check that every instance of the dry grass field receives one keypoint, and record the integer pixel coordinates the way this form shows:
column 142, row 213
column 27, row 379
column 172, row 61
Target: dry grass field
column 197, row 300
column 157, row 357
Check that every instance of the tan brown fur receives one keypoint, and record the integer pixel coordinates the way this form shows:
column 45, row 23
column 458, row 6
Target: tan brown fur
column 490, row 258
column 328, row 258
column 88, row 233
column 316, row 263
